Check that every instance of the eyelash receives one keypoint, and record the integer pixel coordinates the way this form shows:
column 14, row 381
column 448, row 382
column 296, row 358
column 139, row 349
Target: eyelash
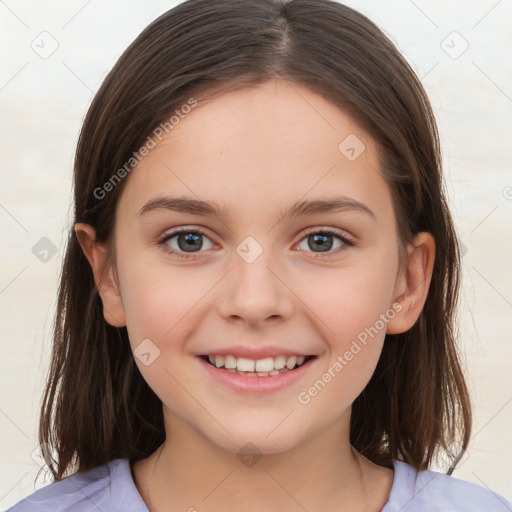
column 198, row 231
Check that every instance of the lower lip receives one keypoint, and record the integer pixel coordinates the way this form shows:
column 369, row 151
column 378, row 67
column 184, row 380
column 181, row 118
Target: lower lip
column 255, row 384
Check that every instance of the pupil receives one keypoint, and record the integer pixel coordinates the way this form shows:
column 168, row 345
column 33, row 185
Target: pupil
column 324, row 242
column 192, row 241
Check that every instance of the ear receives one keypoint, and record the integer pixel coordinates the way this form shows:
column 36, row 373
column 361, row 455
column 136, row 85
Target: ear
column 96, row 254
column 412, row 286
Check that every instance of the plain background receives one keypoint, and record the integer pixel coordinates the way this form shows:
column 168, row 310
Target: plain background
column 44, row 98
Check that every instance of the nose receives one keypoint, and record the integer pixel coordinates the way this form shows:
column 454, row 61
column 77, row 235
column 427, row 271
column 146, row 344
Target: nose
column 256, row 292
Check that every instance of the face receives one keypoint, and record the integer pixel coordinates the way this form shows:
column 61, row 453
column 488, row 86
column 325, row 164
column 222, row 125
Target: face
column 254, row 278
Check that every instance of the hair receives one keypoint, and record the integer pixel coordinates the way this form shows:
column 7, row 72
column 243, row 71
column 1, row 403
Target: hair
column 96, row 405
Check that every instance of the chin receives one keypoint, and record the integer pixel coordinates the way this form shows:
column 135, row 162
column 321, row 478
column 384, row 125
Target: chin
column 256, row 441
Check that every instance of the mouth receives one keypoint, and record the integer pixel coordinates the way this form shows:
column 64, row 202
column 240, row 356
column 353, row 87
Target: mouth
column 249, row 368
column 249, row 381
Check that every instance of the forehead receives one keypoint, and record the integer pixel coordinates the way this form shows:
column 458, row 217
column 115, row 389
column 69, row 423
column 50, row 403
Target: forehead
column 254, row 147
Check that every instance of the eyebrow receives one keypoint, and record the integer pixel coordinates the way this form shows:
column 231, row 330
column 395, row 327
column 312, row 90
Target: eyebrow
column 193, row 206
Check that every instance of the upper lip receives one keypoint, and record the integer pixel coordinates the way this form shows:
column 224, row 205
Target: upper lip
column 254, row 352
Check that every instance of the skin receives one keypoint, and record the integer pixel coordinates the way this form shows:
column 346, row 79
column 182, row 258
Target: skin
column 259, row 150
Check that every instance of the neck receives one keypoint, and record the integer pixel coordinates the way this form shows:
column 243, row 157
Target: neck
column 188, row 472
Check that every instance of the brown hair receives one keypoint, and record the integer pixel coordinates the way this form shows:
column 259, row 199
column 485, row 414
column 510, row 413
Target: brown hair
column 96, row 405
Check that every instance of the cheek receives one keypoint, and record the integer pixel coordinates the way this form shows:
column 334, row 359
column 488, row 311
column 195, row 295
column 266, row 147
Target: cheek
column 351, row 298
column 164, row 305
column 349, row 318
column 352, row 306
column 160, row 301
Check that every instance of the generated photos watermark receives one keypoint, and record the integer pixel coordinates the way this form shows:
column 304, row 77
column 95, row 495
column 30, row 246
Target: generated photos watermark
column 304, row 397
column 137, row 156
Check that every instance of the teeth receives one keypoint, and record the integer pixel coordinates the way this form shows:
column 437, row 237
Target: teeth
column 260, row 367
column 265, row 365
column 279, row 362
column 291, row 362
column 244, row 365
column 230, row 362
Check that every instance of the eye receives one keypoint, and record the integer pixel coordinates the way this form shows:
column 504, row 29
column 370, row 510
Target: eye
column 187, row 241
column 322, row 240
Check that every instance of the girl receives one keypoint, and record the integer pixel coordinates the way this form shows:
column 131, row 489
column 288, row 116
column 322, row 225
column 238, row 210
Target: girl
column 302, row 356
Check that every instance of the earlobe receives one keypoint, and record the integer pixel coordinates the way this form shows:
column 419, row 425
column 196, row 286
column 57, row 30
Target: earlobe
column 414, row 284
column 96, row 255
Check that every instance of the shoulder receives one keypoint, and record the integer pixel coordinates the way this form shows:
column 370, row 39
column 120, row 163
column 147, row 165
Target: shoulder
column 107, row 487
column 431, row 491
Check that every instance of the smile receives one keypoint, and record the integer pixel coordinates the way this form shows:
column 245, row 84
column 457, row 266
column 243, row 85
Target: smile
column 256, row 382
column 260, row 367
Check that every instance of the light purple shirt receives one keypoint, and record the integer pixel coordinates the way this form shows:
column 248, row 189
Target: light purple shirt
column 110, row 488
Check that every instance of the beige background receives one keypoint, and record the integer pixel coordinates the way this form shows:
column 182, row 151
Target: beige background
column 43, row 101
